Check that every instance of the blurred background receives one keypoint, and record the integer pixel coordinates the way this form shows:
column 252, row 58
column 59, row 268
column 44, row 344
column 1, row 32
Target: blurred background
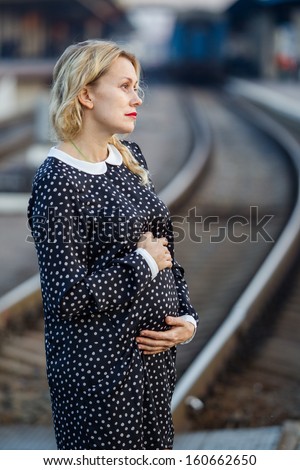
column 207, row 45
column 195, row 41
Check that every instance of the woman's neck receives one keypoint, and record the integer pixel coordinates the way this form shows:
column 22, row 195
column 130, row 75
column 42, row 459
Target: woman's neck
column 86, row 151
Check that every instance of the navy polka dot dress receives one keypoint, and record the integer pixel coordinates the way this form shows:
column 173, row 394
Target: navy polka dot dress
column 98, row 294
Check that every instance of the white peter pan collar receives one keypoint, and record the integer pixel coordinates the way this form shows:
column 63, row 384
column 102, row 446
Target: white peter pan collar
column 99, row 168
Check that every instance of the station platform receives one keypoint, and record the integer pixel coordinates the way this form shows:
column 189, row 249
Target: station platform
column 242, row 439
column 289, row 90
column 279, row 96
column 285, row 437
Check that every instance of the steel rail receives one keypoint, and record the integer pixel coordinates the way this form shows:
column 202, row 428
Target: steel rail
column 24, row 125
column 182, row 185
column 205, row 367
column 20, row 302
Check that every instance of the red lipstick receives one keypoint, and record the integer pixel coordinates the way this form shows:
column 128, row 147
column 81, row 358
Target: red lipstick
column 134, row 115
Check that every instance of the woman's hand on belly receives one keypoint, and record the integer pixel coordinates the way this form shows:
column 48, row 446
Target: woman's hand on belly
column 154, row 342
column 157, row 248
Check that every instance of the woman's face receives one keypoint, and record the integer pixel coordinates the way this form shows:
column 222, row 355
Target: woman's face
column 115, row 100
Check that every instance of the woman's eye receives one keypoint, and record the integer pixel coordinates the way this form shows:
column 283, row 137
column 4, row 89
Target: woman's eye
column 129, row 87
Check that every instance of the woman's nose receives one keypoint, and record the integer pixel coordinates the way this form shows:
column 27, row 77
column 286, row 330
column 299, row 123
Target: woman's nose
column 136, row 100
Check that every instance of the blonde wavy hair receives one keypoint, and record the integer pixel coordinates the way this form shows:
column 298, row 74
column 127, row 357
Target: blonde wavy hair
column 80, row 65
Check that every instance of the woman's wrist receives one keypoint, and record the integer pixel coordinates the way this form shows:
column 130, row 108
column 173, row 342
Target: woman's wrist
column 191, row 320
column 149, row 260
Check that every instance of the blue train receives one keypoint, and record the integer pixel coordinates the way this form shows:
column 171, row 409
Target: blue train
column 197, row 48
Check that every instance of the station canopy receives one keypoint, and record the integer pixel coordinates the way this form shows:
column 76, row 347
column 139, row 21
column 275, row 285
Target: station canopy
column 209, row 5
column 277, row 2
column 243, row 7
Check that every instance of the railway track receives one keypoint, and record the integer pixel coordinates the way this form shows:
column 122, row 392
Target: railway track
column 259, row 385
column 229, row 267
column 220, row 240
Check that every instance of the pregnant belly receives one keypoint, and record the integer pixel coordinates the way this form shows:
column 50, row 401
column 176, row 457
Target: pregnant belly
column 158, row 300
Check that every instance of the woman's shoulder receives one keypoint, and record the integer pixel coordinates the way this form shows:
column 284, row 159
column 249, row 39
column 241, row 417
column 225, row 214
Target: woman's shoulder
column 45, row 170
column 50, row 169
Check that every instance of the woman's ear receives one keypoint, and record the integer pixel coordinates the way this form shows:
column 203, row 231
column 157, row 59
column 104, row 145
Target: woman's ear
column 85, row 99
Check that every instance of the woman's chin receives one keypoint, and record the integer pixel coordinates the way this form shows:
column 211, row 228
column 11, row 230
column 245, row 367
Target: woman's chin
column 127, row 129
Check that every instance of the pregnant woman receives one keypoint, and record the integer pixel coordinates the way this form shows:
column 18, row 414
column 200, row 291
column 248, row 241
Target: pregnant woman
column 115, row 300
